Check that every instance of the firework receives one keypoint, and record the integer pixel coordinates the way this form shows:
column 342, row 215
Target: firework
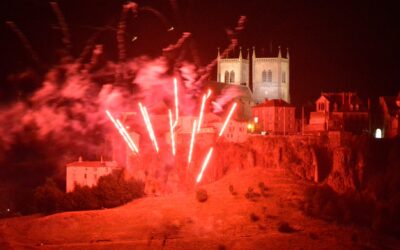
column 149, row 127
column 204, row 164
column 176, row 102
column 203, row 102
column 171, row 130
column 126, row 136
column 227, row 119
column 192, row 141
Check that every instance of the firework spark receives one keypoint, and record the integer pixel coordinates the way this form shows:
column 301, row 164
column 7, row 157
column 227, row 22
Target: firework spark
column 192, row 141
column 171, row 130
column 203, row 102
column 149, row 127
column 227, row 119
column 204, row 166
column 120, row 129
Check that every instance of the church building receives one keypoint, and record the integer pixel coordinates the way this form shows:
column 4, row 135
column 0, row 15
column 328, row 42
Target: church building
column 270, row 75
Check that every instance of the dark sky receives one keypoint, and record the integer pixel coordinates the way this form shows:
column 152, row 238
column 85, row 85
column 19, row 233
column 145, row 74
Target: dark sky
column 334, row 45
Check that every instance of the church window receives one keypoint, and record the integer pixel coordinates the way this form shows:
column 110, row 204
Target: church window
column 232, row 78
column 264, row 76
column 284, row 77
column 269, row 78
column 226, row 76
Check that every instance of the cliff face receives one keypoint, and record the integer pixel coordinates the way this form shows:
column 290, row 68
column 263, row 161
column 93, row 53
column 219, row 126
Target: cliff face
column 346, row 164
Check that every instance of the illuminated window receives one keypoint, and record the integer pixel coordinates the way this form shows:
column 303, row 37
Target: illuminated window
column 378, row 133
column 269, row 78
column 226, row 76
column 264, row 76
column 232, row 78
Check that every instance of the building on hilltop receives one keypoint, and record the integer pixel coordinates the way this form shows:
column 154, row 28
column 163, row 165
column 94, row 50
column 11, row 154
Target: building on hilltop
column 343, row 111
column 274, row 117
column 270, row 75
column 389, row 116
column 87, row 173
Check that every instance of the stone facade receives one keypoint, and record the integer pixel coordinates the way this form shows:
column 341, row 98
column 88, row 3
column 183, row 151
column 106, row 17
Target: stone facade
column 270, row 75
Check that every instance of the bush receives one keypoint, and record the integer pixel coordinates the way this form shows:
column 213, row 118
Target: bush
column 232, row 190
column 201, row 195
column 254, row 217
column 251, row 195
column 111, row 191
column 284, row 227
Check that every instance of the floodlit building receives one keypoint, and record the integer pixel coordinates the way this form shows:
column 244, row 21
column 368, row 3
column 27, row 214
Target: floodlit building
column 270, row 75
column 274, row 117
column 343, row 111
column 390, row 116
column 87, row 173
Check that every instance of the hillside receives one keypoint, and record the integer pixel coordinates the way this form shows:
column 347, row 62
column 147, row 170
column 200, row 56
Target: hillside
column 180, row 221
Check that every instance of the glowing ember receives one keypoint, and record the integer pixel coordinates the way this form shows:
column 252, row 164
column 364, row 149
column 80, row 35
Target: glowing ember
column 171, row 130
column 176, row 102
column 227, row 119
column 126, row 136
column 149, row 127
column 204, row 164
column 192, row 141
column 203, row 102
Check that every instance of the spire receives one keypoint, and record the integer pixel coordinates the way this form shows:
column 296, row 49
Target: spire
column 240, row 52
column 287, row 53
column 254, row 52
column 218, row 55
column 279, row 53
column 248, row 54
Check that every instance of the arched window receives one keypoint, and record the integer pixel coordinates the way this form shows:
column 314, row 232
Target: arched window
column 269, row 78
column 283, row 76
column 226, row 76
column 232, row 78
column 264, row 76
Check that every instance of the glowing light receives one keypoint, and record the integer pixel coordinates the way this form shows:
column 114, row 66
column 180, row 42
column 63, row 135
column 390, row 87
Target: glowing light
column 126, row 137
column 256, row 119
column 203, row 102
column 149, row 127
column 250, row 126
column 378, row 133
column 227, row 119
column 176, row 102
column 171, row 130
column 208, row 93
column 205, row 164
column 192, row 141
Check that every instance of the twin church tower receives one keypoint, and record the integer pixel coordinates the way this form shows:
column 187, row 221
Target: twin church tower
column 270, row 75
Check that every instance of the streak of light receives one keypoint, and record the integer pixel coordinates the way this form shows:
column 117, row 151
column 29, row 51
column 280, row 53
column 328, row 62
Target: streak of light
column 227, row 119
column 203, row 102
column 203, row 168
column 120, row 131
column 192, row 141
column 171, row 130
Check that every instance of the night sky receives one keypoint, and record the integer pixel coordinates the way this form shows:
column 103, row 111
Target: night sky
column 334, row 45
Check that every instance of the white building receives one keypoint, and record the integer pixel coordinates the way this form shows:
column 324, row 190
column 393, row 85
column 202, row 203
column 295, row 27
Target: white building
column 270, row 75
column 87, row 173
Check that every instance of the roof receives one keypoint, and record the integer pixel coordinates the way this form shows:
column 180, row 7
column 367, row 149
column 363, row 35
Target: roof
column 343, row 100
column 92, row 164
column 274, row 103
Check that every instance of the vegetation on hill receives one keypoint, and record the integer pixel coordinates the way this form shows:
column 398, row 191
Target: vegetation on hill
column 111, row 191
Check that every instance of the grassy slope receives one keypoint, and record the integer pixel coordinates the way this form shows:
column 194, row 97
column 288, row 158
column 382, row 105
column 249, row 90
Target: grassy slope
column 181, row 222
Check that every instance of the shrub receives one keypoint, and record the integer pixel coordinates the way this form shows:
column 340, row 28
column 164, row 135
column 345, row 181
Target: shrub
column 251, row 195
column 232, row 190
column 201, row 195
column 284, row 227
column 49, row 197
column 254, row 217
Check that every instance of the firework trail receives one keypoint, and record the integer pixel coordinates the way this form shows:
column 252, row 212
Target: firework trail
column 63, row 25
